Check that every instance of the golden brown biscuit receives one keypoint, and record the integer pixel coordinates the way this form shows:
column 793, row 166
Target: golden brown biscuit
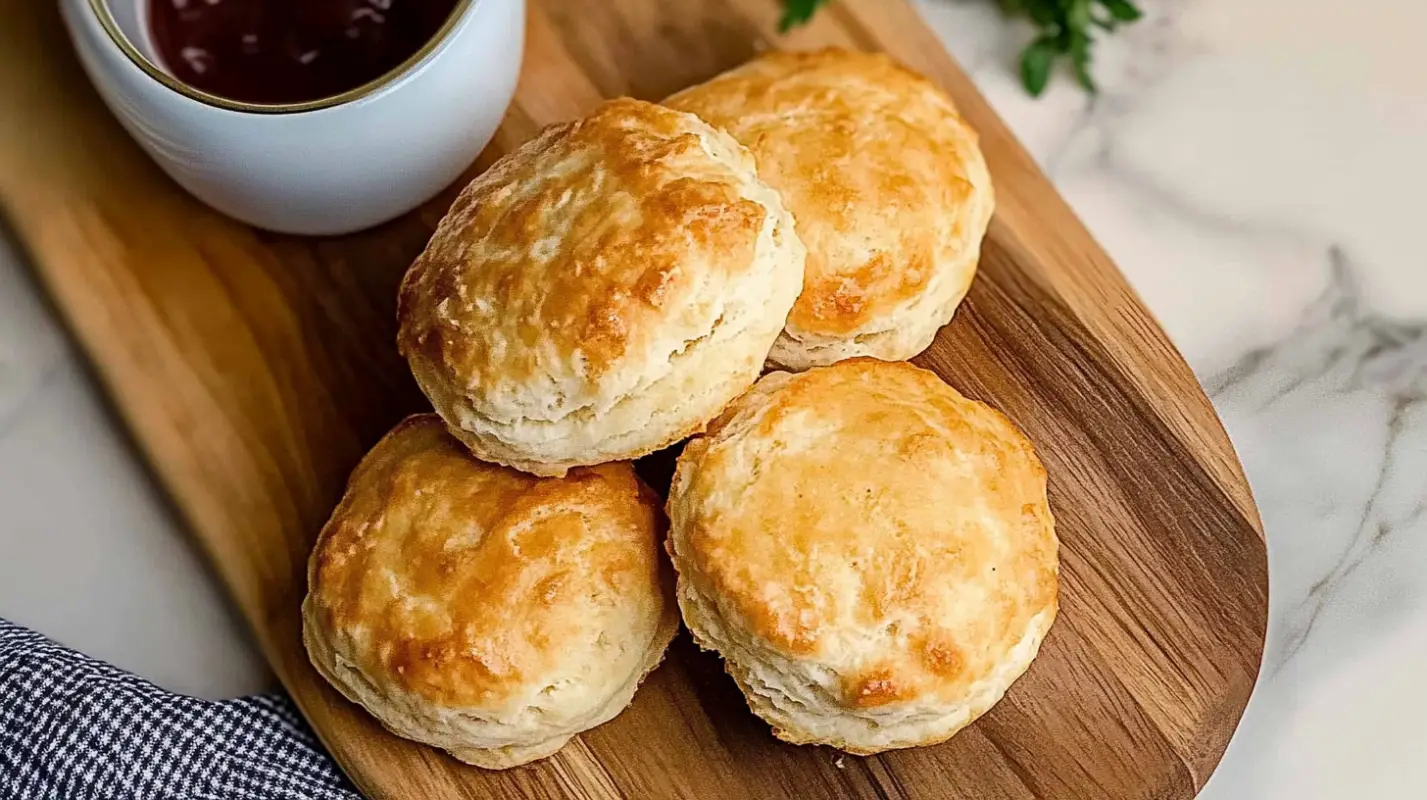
column 888, row 187
column 872, row 553
column 481, row 610
column 602, row 292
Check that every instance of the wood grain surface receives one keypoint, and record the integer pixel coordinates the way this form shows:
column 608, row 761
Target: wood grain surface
column 255, row 369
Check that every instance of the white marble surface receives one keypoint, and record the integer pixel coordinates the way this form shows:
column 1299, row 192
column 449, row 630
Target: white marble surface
column 1255, row 168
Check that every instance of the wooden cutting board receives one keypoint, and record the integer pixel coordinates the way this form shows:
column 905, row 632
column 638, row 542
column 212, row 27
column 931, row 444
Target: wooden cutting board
column 255, row 369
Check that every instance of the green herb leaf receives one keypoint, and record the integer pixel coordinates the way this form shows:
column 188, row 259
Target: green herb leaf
column 798, row 12
column 1065, row 32
column 1042, row 12
column 1064, row 28
column 1036, row 61
column 1122, row 10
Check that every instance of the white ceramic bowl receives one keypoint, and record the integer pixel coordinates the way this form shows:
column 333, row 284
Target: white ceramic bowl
column 325, row 167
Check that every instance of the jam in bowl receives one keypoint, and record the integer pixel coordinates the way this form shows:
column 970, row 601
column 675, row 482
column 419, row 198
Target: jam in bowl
column 289, row 51
column 305, row 116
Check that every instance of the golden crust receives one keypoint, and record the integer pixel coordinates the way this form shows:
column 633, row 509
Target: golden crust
column 483, row 610
column 602, row 292
column 888, row 186
column 872, row 553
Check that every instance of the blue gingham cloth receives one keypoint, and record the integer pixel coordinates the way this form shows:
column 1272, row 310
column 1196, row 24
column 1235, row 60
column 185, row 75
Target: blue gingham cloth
column 72, row 728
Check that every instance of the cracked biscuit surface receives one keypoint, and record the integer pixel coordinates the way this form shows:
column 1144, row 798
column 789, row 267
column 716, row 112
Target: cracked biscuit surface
column 888, row 185
column 872, row 553
column 602, row 292
column 483, row 610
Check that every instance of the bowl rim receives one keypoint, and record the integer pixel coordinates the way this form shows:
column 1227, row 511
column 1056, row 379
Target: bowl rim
column 101, row 11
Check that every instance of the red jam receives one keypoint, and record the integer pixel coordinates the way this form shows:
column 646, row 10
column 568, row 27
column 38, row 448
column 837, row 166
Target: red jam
column 289, row 51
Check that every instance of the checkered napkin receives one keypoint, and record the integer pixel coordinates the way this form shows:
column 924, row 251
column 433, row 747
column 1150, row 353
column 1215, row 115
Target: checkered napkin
column 72, row 728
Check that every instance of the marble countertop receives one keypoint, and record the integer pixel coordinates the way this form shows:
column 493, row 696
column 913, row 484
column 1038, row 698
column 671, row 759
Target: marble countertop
column 1256, row 180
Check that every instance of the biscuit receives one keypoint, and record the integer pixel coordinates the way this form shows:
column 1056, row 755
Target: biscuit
column 888, row 186
column 482, row 610
column 602, row 292
column 872, row 553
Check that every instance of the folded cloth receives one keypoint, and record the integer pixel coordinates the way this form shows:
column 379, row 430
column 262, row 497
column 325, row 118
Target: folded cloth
column 73, row 728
